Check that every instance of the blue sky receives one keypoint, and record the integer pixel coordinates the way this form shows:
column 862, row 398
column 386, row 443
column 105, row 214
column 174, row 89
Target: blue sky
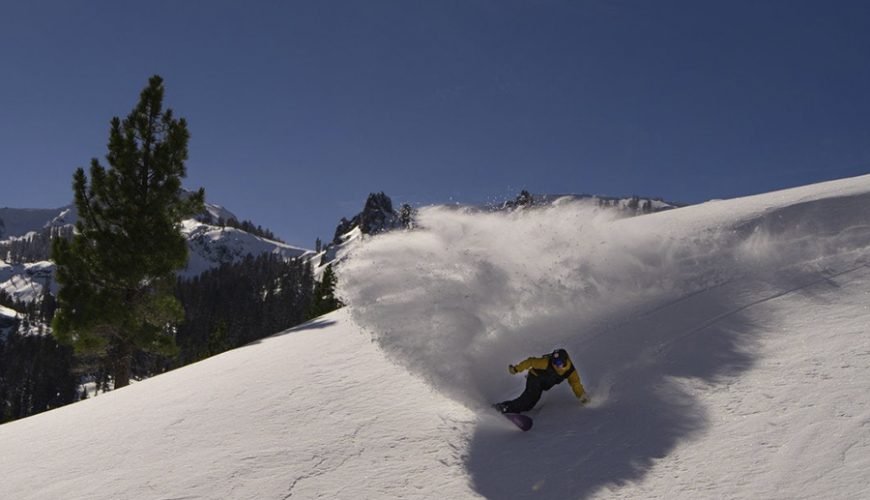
column 298, row 110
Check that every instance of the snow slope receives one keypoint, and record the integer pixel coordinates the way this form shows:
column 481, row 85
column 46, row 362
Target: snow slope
column 294, row 414
column 27, row 282
column 725, row 347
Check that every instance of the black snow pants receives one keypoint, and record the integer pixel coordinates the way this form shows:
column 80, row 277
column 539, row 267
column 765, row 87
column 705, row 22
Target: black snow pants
column 529, row 398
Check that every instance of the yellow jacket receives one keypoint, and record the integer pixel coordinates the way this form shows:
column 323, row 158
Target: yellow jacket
column 538, row 367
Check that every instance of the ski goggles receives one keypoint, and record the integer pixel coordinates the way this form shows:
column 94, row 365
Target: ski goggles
column 558, row 360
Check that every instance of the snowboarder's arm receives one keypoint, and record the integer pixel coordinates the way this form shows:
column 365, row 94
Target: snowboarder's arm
column 529, row 363
column 576, row 385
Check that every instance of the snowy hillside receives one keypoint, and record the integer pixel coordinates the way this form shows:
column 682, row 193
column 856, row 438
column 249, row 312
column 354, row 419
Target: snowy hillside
column 724, row 345
column 27, row 282
column 211, row 246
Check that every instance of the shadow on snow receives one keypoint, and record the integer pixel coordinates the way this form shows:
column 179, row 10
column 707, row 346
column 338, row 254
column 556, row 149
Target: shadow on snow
column 640, row 410
column 315, row 324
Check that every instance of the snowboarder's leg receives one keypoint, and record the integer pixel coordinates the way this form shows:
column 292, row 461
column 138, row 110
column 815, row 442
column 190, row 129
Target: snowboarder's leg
column 527, row 400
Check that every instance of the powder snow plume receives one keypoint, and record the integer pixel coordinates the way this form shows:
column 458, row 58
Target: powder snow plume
column 469, row 292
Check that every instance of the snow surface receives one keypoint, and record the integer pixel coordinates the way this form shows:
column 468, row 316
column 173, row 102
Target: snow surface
column 27, row 282
column 724, row 345
column 9, row 313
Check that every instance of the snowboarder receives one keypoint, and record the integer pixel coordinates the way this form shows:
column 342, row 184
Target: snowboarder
column 544, row 372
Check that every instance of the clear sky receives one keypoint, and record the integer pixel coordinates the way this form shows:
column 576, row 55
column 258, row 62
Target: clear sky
column 298, row 110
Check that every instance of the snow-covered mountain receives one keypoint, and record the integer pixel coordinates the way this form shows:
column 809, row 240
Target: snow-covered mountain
column 724, row 346
column 377, row 216
column 211, row 244
column 27, row 282
column 20, row 221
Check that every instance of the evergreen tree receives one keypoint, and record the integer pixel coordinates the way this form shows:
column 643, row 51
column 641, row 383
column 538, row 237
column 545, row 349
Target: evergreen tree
column 116, row 274
column 324, row 299
column 241, row 302
column 36, row 374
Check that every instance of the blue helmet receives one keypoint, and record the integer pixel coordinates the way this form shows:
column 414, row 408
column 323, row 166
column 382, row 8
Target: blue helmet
column 559, row 357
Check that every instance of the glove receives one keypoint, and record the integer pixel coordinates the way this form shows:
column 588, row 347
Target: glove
column 512, row 369
column 584, row 399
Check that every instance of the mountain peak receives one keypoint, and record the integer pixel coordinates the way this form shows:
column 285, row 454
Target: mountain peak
column 376, row 217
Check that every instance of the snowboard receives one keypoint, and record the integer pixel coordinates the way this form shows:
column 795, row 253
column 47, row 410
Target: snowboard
column 524, row 422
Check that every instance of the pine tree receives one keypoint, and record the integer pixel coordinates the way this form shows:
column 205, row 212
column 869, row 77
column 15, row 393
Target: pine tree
column 324, row 299
column 116, row 274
